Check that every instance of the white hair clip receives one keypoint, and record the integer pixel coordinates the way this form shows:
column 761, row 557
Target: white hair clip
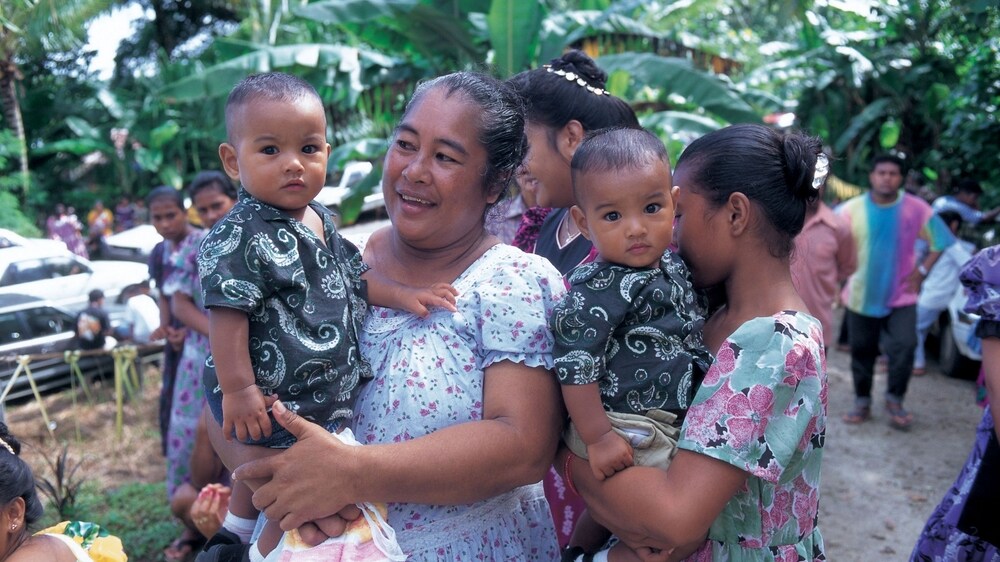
column 8, row 447
column 574, row 77
column 822, row 169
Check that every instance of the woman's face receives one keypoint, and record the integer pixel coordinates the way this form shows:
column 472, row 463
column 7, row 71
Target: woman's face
column 168, row 219
column 698, row 232
column 211, row 205
column 433, row 181
column 549, row 167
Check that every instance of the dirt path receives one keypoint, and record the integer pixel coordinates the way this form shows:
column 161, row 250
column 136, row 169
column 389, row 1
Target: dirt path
column 879, row 484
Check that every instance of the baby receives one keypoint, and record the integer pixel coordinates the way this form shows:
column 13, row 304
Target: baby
column 628, row 348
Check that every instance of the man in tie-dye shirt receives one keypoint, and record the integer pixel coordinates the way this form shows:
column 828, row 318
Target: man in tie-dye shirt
column 881, row 296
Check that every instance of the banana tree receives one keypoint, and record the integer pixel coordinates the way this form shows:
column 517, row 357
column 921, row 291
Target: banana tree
column 27, row 28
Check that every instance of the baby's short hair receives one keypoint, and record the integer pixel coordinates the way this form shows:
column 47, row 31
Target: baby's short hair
column 266, row 86
column 616, row 148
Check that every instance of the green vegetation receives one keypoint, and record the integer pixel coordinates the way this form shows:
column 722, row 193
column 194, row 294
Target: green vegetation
column 917, row 76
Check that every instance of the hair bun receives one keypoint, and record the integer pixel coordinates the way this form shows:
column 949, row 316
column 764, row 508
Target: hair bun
column 8, row 441
column 800, row 156
column 582, row 65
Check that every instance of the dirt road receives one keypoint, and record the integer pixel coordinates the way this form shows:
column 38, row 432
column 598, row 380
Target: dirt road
column 879, row 484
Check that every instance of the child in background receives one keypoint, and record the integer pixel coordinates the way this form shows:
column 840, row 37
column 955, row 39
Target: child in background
column 285, row 289
column 628, row 334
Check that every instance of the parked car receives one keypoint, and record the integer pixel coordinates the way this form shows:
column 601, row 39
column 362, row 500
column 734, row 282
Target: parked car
column 959, row 352
column 333, row 196
column 134, row 244
column 9, row 238
column 28, row 326
column 63, row 278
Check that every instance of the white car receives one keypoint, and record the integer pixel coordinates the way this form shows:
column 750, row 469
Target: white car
column 332, row 196
column 9, row 238
column 959, row 352
column 134, row 244
column 63, row 278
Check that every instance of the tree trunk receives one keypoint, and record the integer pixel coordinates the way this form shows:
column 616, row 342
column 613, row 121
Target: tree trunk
column 9, row 74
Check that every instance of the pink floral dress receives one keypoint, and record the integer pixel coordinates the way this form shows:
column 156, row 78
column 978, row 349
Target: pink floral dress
column 762, row 408
column 429, row 375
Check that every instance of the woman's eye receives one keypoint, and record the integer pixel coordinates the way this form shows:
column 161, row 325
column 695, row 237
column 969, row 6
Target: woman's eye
column 612, row 216
column 653, row 208
column 405, row 145
column 445, row 157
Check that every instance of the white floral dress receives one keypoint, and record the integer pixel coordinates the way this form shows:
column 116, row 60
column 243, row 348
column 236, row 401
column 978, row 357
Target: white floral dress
column 429, row 375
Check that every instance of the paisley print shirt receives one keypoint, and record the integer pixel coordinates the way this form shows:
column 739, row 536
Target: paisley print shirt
column 636, row 332
column 305, row 299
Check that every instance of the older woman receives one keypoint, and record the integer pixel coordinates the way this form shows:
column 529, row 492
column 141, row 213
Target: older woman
column 462, row 418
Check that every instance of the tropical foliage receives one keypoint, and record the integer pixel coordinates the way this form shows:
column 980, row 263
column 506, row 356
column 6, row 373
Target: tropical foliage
column 918, row 76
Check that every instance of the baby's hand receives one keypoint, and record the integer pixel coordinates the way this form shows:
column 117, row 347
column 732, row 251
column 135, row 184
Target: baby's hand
column 609, row 454
column 419, row 301
column 245, row 412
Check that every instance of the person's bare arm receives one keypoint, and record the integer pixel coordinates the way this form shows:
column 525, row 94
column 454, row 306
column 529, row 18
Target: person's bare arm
column 608, row 452
column 385, row 292
column 672, row 510
column 183, row 308
column 921, row 270
column 511, row 446
column 163, row 304
column 243, row 406
column 991, row 369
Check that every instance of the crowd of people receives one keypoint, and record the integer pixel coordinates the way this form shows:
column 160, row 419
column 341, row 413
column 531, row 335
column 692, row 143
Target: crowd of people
column 559, row 348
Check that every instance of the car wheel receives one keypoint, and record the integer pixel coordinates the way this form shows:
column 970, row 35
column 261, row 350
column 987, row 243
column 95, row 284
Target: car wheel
column 953, row 363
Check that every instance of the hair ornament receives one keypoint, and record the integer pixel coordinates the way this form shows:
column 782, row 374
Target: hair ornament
column 822, row 170
column 8, row 447
column 574, row 77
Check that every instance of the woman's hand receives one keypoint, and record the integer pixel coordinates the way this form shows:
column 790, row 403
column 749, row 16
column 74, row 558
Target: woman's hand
column 209, row 509
column 310, row 481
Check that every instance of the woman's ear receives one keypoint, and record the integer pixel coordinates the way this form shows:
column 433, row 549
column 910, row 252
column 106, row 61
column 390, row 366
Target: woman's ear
column 570, row 137
column 739, row 209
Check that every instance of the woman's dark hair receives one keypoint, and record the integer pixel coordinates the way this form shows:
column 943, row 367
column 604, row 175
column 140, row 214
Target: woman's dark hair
column 501, row 122
column 165, row 192
column 16, row 479
column 773, row 169
column 212, row 178
column 553, row 100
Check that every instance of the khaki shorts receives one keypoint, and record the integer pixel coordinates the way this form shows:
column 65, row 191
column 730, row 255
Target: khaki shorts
column 653, row 437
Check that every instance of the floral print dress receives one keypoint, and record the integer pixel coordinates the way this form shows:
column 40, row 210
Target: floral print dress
column 762, row 409
column 429, row 374
column 188, row 395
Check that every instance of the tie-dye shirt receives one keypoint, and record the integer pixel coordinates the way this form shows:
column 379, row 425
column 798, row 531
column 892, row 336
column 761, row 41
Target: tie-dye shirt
column 885, row 236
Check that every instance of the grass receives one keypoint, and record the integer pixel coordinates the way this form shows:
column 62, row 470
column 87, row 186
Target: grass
column 122, row 476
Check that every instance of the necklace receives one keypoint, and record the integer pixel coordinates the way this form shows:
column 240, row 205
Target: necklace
column 563, row 236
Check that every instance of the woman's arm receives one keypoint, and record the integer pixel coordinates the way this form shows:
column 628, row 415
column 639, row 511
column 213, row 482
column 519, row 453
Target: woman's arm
column 666, row 510
column 511, row 446
column 183, row 308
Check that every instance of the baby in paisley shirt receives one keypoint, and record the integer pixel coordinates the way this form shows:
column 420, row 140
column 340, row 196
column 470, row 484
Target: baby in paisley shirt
column 287, row 293
column 628, row 348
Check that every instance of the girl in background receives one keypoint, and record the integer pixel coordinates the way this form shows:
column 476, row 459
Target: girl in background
column 192, row 463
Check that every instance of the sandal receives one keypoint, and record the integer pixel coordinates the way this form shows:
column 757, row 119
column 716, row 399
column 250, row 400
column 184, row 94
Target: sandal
column 859, row 414
column 183, row 547
column 899, row 418
column 919, row 371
